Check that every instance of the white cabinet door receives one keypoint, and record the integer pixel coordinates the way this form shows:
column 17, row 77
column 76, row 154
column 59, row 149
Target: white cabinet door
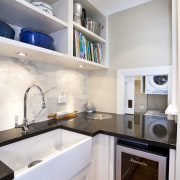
column 172, row 164
column 102, row 166
column 129, row 95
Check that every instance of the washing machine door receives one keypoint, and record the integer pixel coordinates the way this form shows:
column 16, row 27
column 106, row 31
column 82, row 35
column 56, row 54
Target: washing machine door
column 157, row 84
column 160, row 81
column 157, row 130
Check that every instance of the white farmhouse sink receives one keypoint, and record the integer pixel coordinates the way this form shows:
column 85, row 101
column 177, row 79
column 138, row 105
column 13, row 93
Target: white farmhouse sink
column 63, row 154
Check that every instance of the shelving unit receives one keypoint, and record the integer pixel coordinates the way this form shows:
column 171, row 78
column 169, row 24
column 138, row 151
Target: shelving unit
column 24, row 14
column 10, row 48
column 90, row 35
column 60, row 26
column 94, row 13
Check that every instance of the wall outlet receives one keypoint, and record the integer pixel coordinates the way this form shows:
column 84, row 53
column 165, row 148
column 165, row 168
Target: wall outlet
column 61, row 99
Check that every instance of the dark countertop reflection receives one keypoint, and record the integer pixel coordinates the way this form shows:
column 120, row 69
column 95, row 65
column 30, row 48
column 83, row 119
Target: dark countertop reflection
column 155, row 130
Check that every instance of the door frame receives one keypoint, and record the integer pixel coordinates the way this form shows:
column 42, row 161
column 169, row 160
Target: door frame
column 146, row 71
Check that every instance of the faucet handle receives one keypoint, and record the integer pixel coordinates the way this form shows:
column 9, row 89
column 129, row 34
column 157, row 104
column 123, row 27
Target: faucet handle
column 25, row 129
column 32, row 118
column 29, row 123
column 16, row 120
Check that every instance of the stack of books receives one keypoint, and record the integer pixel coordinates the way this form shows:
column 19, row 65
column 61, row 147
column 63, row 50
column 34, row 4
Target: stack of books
column 86, row 49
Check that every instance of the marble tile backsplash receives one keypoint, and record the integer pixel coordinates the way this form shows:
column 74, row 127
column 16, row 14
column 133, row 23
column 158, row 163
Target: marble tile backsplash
column 17, row 75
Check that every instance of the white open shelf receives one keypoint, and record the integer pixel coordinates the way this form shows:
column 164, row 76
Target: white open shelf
column 10, row 48
column 24, row 14
column 89, row 35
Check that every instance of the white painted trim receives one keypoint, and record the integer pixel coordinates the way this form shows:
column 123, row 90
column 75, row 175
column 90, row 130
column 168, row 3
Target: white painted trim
column 70, row 27
column 146, row 71
column 120, row 93
column 111, row 158
column 129, row 95
column 172, row 164
column 107, row 42
column 174, row 51
column 177, row 173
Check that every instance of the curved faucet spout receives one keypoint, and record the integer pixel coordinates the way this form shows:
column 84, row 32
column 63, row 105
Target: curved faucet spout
column 25, row 100
column 25, row 125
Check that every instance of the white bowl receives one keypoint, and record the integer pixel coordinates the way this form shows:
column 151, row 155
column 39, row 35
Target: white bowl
column 45, row 9
column 43, row 6
column 42, row 3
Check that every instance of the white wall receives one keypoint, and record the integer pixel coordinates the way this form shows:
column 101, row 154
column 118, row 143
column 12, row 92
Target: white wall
column 138, row 37
column 16, row 76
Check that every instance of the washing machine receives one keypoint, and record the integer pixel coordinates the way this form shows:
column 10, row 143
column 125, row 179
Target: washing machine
column 156, row 126
column 156, row 84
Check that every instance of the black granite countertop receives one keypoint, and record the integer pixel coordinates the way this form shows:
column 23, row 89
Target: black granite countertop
column 154, row 130
column 5, row 172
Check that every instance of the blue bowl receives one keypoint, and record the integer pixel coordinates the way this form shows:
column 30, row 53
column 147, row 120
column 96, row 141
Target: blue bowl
column 36, row 38
column 6, row 30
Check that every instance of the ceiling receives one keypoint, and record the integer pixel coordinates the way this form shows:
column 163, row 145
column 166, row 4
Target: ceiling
column 113, row 6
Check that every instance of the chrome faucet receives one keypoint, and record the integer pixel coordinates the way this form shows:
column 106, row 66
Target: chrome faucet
column 25, row 125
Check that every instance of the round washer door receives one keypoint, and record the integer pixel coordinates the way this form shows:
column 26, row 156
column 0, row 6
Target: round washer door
column 157, row 130
column 159, row 82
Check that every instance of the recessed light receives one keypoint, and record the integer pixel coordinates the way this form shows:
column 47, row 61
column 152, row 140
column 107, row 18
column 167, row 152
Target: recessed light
column 22, row 54
column 81, row 66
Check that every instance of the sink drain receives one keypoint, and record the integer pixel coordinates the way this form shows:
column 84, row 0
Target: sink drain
column 33, row 163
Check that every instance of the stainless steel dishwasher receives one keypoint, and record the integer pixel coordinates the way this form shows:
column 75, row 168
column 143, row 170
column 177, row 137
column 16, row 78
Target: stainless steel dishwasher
column 140, row 161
